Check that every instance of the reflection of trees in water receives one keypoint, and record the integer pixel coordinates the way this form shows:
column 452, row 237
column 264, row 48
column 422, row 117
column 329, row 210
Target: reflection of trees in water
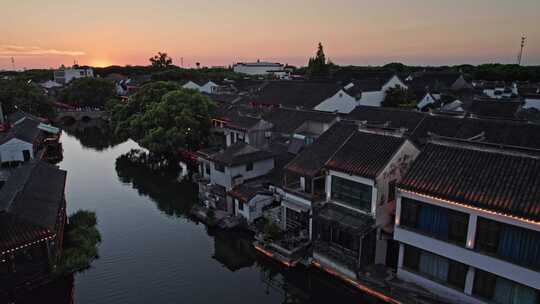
column 307, row 285
column 233, row 249
column 59, row 291
column 94, row 133
column 171, row 197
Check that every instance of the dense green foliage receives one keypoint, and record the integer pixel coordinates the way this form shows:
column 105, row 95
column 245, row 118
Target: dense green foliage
column 26, row 96
column 161, row 60
column 81, row 239
column 398, row 97
column 163, row 117
column 88, row 92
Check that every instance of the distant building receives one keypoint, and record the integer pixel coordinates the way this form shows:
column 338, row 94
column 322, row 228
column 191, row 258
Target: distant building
column 258, row 68
column 468, row 223
column 65, row 75
column 208, row 87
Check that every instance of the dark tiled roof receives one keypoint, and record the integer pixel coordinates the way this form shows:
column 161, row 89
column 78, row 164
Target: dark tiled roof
column 27, row 130
column 286, row 121
column 347, row 76
column 15, row 232
column 294, row 94
column 434, row 80
column 246, row 192
column 507, row 132
column 313, row 158
column 238, row 117
column 240, row 153
column 494, row 108
column 365, row 154
column 392, row 118
column 34, row 193
column 500, row 181
column 368, row 85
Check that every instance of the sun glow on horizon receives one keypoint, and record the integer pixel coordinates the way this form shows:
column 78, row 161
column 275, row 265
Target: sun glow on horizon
column 100, row 63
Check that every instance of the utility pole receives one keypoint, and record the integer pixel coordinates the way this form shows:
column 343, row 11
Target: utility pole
column 13, row 63
column 182, row 61
column 520, row 55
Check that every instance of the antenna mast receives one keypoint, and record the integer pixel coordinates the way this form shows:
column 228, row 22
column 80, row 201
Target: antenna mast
column 13, row 63
column 520, row 55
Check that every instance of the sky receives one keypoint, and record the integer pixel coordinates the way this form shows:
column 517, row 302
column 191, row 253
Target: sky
column 45, row 34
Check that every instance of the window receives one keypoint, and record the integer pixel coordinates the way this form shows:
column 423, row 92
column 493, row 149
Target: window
column 515, row 244
column 438, row 222
column 392, row 191
column 219, row 167
column 240, row 205
column 249, row 167
column 502, row 291
column 207, row 169
column 354, row 194
column 435, row 267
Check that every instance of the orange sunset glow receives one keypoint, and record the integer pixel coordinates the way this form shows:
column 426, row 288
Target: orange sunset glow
column 221, row 32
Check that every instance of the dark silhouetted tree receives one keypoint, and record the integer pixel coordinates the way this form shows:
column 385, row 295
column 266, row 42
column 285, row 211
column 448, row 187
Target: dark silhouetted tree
column 161, row 60
column 317, row 66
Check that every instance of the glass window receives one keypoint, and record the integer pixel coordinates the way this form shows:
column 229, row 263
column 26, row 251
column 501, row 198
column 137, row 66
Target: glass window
column 219, row 167
column 392, row 191
column 435, row 267
column 518, row 245
column 249, row 167
column 441, row 223
column 503, row 291
column 240, row 205
column 354, row 194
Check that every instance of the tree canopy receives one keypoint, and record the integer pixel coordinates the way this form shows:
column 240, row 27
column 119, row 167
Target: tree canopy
column 318, row 66
column 26, row 96
column 88, row 92
column 398, row 97
column 161, row 60
column 163, row 117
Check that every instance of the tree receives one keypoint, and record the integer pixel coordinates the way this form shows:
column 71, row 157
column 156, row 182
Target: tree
column 317, row 66
column 26, row 96
column 164, row 117
column 398, row 97
column 161, row 60
column 88, row 92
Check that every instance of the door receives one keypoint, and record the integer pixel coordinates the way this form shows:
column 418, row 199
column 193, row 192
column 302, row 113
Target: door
column 26, row 155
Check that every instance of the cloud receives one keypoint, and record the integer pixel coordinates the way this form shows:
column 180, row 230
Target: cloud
column 34, row 51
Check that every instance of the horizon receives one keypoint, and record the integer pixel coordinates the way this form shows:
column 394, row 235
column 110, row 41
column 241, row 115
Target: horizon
column 220, row 33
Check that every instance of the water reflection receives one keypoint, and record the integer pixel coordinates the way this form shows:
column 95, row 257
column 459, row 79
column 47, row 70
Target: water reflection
column 94, row 134
column 58, row 292
column 152, row 252
column 172, row 197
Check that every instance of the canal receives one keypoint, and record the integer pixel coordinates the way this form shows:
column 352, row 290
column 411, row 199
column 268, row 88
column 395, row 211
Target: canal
column 153, row 252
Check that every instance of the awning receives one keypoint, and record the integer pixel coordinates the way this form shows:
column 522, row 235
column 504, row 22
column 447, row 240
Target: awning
column 294, row 205
column 48, row 128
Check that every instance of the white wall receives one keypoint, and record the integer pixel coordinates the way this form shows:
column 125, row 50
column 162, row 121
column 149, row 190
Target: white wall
column 256, row 69
column 466, row 255
column 374, row 99
column 225, row 179
column 341, row 102
column 532, row 103
column 209, row 88
column 191, row 85
column 12, row 150
column 253, row 208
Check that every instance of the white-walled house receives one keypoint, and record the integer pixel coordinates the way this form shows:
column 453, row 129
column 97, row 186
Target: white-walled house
column 258, row 68
column 65, row 75
column 236, row 127
column 237, row 163
column 372, row 91
column 340, row 102
column 250, row 201
column 468, row 223
column 353, row 230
